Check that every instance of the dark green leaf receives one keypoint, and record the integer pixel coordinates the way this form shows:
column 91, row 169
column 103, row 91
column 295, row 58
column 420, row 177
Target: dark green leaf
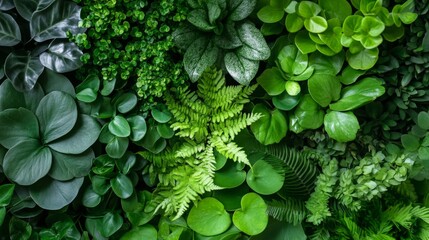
column 308, row 113
column 55, row 21
column 423, row 120
column 271, row 127
column 119, row 126
column 341, row 126
column 271, row 80
column 326, row 64
column 26, row 8
column 51, row 194
column 23, row 70
column 241, row 9
column 252, row 218
column 201, row 54
column 230, row 176
column 10, row 35
column 209, row 217
column 117, row 146
column 165, row 131
column 66, row 167
column 52, row 81
column 324, row 88
column 264, row 179
column 17, row 125
column 126, row 102
column 270, row 14
column 6, row 192
column 57, row 114
column 80, row 138
column 410, row 142
column 9, row 97
column 2, row 215
column 161, row 113
column 285, row 101
column 27, row 161
column 138, row 127
column 254, row 45
column 62, row 57
column 269, row 29
column 112, row 222
column 122, row 186
column 240, row 68
column 147, row 232
column 19, row 229
column 100, row 184
column 126, row 162
column 200, row 19
column 185, row 35
column 231, row 197
column 95, row 226
column 6, row 5
column 90, row 198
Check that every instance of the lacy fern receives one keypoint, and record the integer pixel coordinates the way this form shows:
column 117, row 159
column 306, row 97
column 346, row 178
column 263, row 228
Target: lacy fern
column 204, row 120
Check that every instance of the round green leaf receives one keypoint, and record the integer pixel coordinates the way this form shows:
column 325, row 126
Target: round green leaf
column 23, row 70
column 230, row 176
column 87, row 95
column 66, row 166
column 165, row 131
column 271, row 127
column 231, row 197
column 270, row 14
column 410, row 142
column 138, row 127
column 80, row 138
column 27, row 162
column 292, row 61
column 119, row 126
column 423, row 120
column 252, row 218
column 240, row 68
column 292, row 88
column 341, row 126
column 308, row 113
column 209, row 217
column 51, row 194
column 324, row 88
column 161, row 114
column 90, row 198
column 57, row 114
column 271, row 80
column 10, row 35
column 62, row 57
column 304, row 42
column 111, row 223
column 147, row 232
column 264, row 179
column 285, row 101
column 294, row 22
column 122, row 186
column 126, row 102
column 308, row 9
column 55, row 21
column 117, row 147
column 316, row 24
column 336, row 9
column 254, row 45
column 364, row 59
column 17, row 125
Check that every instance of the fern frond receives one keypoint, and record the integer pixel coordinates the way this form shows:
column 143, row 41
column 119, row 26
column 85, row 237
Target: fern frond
column 290, row 210
column 320, row 234
column 189, row 148
column 224, row 97
column 407, row 190
column 350, row 229
column 399, row 215
column 224, row 114
column 244, row 95
column 165, row 159
column 422, row 213
column 423, row 232
column 231, row 127
column 230, row 150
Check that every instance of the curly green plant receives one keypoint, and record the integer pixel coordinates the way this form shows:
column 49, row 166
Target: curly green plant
column 218, row 32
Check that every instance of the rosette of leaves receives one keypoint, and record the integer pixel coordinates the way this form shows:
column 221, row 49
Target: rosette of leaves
column 33, row 37
column 47, row 140
column 218, row 33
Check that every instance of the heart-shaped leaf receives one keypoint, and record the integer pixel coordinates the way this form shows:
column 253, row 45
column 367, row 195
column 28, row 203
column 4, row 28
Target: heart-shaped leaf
column 80, row 138
column 57, row 114
column 161, row 113
column 55, row 21
column 126, row 102
column 27, row 162
column 230, row 176
column 122, row 186
column 119, row 126
column 254, row 45
column 324, row 88
column 271, row 80
column 252, row 218
column 201, row 54
column 90, row 198
column 10, row 35
column 209, row 217
column 271, row 127
column 341, row 126
column 100, row 184
column 240, row 68
column 26, row 8
column 62, row 57
column 138, row 127
column 23, row 70
column 51, row 194
column 17, row 125
column 264, row 179
column 111, row 223
column 66, row 167
column 117, row 147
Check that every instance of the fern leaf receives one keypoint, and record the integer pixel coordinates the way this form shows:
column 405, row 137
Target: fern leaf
column 422, row 213
column 290, row 210
column 230, row 150
column 407, row 190
column 399, row 215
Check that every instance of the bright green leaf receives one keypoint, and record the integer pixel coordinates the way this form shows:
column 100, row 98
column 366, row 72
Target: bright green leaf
column 341, row 126
column 316, row 24
column 264, row 179
column 6, row 192
column 147, row 232
column 252, row 218
column 271, row 80
column 270, row 14
column 324, row 88
column 271, row 127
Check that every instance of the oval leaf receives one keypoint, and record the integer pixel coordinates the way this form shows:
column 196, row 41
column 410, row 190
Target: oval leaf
column 17, row 125
column 10, row 35
column 271, row 80
column 201, row 54
column 51, row 194
column 57, row 114
column 264, row 179
column 122, row 186
column 117, row 147
column 111, row 223
column 229, row 176
column 119, row 127
column 23, row 70
column 147, row 232
column 209, row 217
column 270, row 14
column 324, row 88
column 26, row 8
column 90, row 198
column 254, row 45
column 138, row 127
column 240, row 68
column 161, row 113
column 62, row 57
column 341, row 126
column 66, row 167
column 126, row 102
column 252, row 218
column 241, row 9
column 271, row 127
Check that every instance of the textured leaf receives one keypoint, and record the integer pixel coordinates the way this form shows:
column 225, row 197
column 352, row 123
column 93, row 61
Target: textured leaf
column 254, row 45
column 199, row 18
column 252, row 218
column 55, row 21
column 201, row 54
column 341, row 126
column 27, row 162
column 26, row 8
column 17, row 125
column 122, row 186
column 51, row 194
column 241, row 9
column 66, row 166
column 10, row 35
column 240, row 68
column 84, row 133
column 57, row 114
column 62, row 57
column 209, row 217
column 23, row 70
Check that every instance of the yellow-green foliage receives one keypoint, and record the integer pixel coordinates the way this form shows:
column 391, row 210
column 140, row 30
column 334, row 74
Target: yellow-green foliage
column 204, row 120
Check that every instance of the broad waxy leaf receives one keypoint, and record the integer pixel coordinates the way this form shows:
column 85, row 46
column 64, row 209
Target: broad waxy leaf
column 410, row 142
column 55, row 21
column 285, row 101
column 126, row 102
column 308, row 9
column 264, row 179
column 294, row 22
column 17, row 125
column 51, row 194
column 6, row 192
column 292, row 61
column 270, row 14
column 230, row 176
column 19, row 229
column 9, row 97
column 271, row 80
column 27, row 162
column 254, row 45
column 366, row 90
column 240, row 68
column 117, row 147
column 66, row 167
column 138, row 127
column 316, row 24
column 23, row 70
column 336, row 9
column 308, row 113
column 26, row 8
column 10, row 35
column 122, row 186
column 201, row 54
column 252, row 218
column 363, row 60
column 304, row 42
column 271, row 127
column 324, row 88
column 80, row 138
column 209, row 217
column 147, row 232
column 52, row 81
column 62, row 57
column 119, row 127
column 350, row 75
column 90, row 198
column 111, row 223
column 423, row 120
column 161, row 113
column 341, row 126
column 57, row 114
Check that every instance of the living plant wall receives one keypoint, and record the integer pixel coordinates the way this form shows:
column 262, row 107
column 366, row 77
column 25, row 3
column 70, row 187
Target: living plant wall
column 214, row 119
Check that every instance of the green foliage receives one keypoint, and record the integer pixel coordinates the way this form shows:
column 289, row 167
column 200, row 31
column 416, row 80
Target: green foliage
column 131, row 41
column 33, row 37
column 219, row 33
column 290, row 210
column 205, row 120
